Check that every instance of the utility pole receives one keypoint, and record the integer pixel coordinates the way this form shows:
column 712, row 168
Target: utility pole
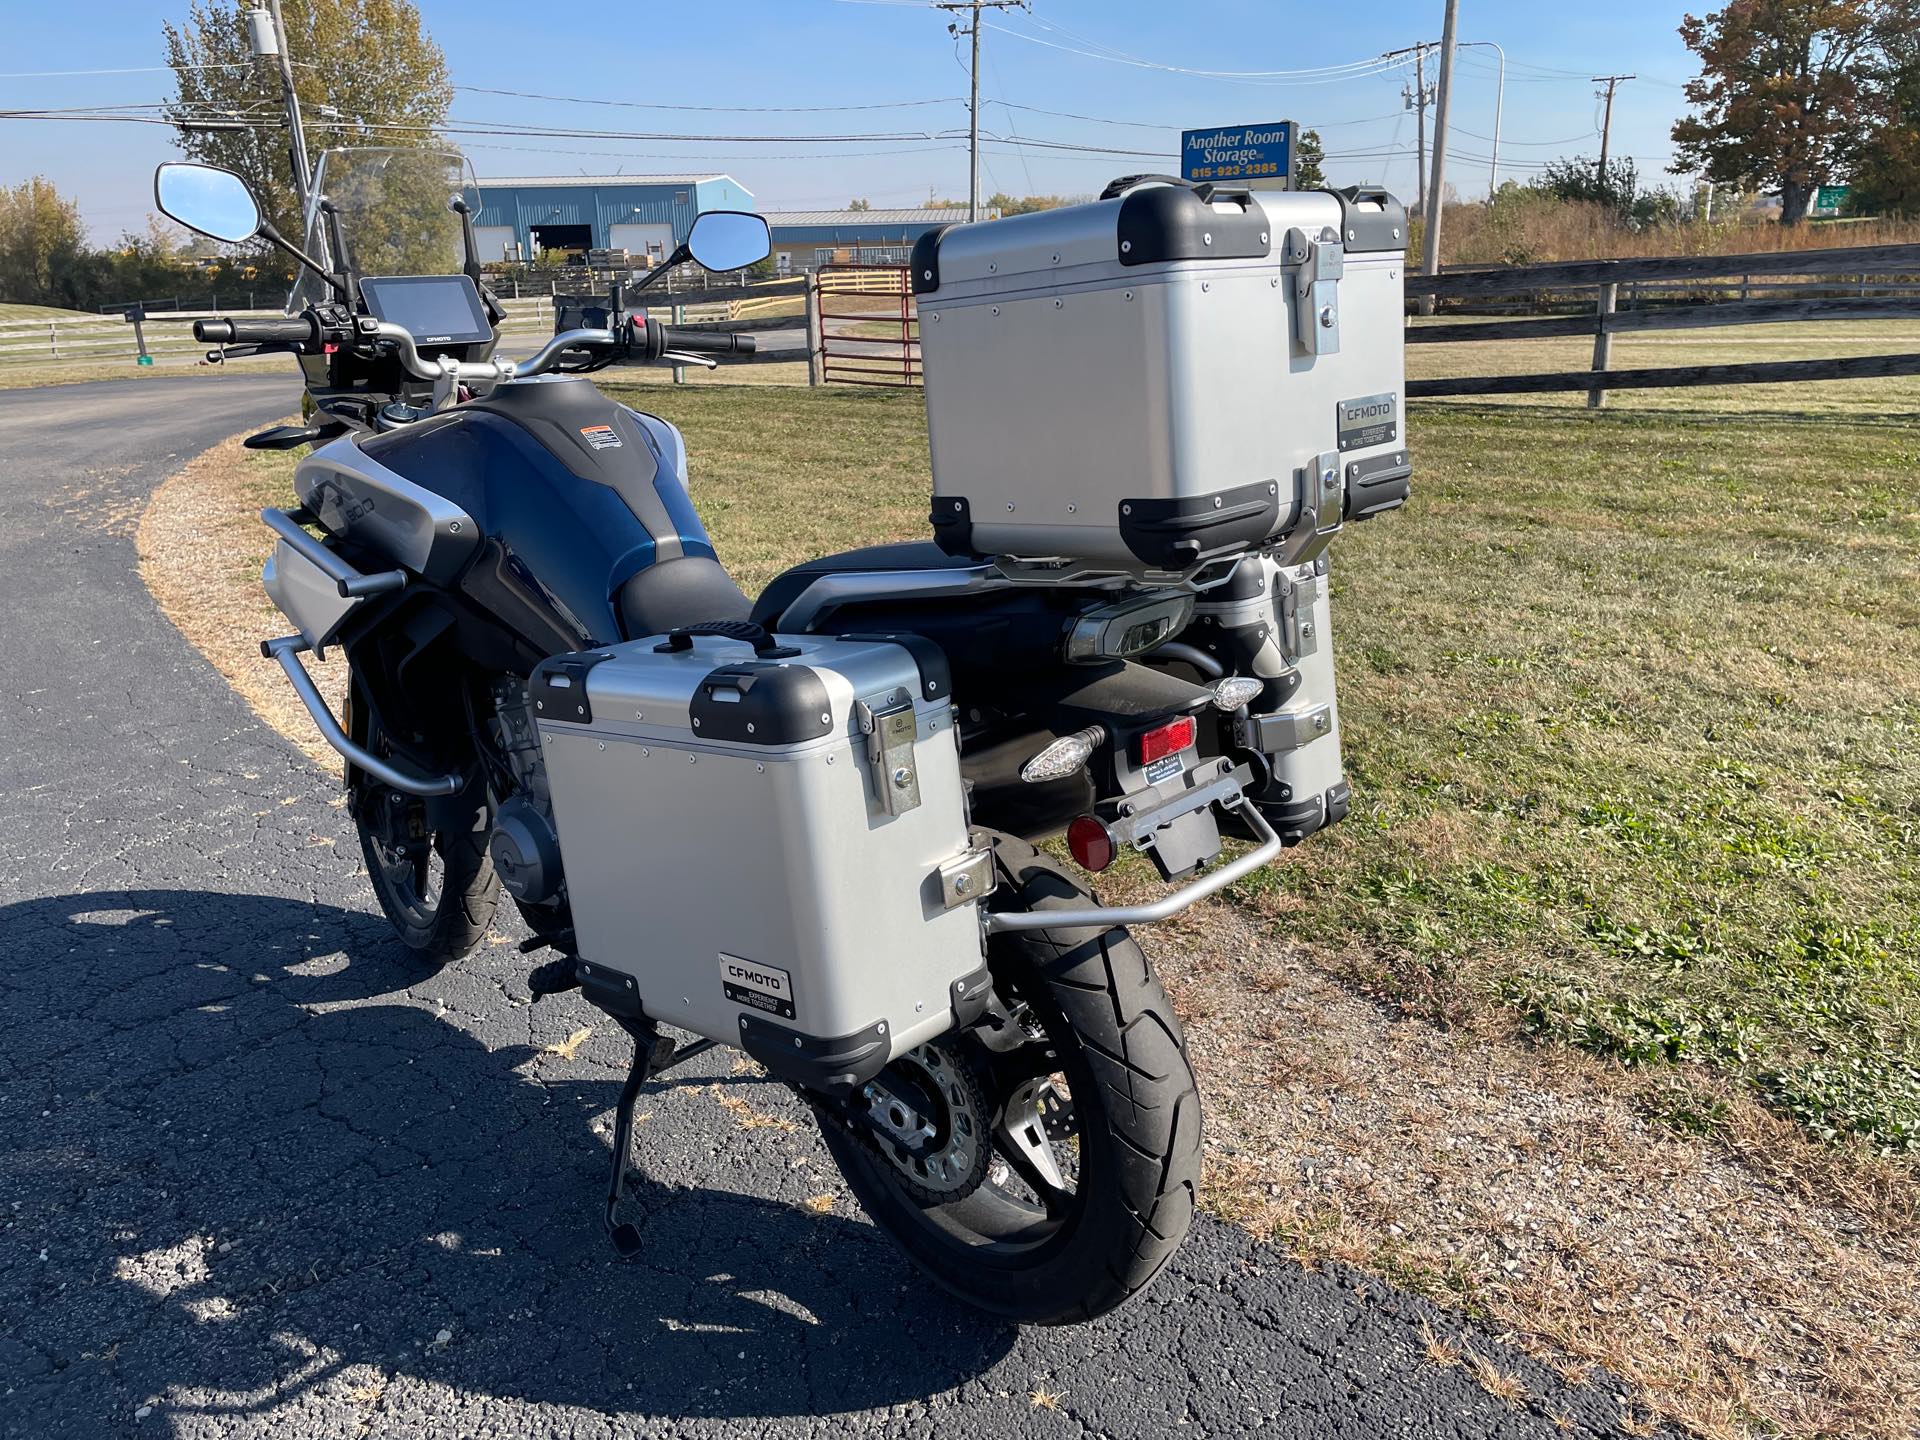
column 267, row 35
column 1437, row 188
column 1418, row 98
column 1612, row 82
column 973, row 72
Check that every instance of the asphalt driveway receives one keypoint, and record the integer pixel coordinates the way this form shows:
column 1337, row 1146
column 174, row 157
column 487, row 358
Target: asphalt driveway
column 261, row 1174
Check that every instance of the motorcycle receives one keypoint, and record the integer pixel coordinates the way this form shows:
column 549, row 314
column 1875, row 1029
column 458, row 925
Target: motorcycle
column 556, row 690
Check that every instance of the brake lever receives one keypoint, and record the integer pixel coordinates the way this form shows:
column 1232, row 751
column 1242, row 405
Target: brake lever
column 680, row 357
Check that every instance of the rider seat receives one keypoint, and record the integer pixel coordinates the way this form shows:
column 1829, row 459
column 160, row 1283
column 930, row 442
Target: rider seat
column 788, row 586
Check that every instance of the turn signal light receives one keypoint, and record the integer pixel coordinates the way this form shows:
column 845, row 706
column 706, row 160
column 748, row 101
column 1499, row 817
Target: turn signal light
column 1091, row 845
column 1168, row 739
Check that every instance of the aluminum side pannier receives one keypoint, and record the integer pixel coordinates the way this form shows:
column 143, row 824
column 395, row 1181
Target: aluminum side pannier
column 765, row 841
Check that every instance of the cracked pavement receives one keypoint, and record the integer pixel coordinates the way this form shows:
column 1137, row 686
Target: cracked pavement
column 263, row 1174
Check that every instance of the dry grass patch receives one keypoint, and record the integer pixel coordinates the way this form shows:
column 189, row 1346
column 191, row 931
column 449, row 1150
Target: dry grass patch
column 201, row 547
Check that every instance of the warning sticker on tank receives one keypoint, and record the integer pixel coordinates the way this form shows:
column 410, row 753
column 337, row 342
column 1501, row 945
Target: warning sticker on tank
column 1369, row 420
column 600, row 437
column 764, row 987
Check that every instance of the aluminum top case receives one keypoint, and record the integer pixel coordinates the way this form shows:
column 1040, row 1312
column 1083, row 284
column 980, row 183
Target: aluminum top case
column 1164, row 378
column 765, row 841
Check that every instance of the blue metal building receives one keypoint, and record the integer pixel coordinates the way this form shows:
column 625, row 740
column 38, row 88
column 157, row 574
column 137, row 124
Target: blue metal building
column 642, row 214
column 807, row 239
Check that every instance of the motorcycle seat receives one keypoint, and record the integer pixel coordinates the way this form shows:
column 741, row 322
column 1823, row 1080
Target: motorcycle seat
column 902, row 555
column 683, row 591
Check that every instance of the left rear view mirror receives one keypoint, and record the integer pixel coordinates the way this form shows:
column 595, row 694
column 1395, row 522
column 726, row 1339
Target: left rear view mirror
column 214, row 202
column 723, row 240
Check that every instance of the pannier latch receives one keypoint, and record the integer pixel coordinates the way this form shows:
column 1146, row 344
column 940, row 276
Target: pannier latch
column 1316, row 289
column 891, row 730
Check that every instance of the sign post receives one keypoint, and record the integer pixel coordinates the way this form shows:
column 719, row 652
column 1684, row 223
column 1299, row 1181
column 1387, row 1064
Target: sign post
column 1831, row 199
column 1260, row 157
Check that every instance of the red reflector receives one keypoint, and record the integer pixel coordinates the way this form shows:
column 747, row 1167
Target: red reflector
column 1168, row 739
column 1090, row 843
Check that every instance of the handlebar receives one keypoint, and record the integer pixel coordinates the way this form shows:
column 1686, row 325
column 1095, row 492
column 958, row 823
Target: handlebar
column 703, row 342
column 294, row 330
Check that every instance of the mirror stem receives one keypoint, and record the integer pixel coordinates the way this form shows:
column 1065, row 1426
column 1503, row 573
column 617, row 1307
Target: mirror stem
column 680, row 256
column 271, row 235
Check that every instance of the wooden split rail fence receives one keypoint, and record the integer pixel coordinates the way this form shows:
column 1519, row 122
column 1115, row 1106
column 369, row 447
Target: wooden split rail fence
column 1821, row 291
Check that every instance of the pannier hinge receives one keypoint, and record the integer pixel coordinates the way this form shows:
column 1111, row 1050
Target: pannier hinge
column 968, row 876
column 891, row 730
column 1316, row 289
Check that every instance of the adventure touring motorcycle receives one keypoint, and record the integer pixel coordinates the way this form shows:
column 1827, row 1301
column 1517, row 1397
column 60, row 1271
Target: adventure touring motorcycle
column 806, row 824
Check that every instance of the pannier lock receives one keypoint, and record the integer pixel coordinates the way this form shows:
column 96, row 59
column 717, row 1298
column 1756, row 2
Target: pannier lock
column 891, row 730
column 1316, row 289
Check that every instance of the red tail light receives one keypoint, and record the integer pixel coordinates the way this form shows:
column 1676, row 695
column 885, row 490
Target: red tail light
column 1168, row 739
column 1092, row 846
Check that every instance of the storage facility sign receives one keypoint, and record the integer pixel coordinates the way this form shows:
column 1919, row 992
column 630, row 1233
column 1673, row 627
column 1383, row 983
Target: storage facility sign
column 1259, row 155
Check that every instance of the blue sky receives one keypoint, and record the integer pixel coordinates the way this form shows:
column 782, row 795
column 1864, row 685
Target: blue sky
column 863, row 52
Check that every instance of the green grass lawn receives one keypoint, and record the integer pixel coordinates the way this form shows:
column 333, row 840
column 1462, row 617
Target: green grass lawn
column 11, row 311
column 1632, row 713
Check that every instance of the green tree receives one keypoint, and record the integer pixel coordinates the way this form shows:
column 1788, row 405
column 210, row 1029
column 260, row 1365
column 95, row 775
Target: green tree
column 1886, row 174
column 1579, row 178
column 360, row 63
column 859, row 205
column 1308, row 173
column 41, row 239
column 1786, row 92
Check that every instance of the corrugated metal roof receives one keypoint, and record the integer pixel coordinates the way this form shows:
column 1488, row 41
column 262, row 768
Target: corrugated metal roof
column 530, row 181
column 778, row 218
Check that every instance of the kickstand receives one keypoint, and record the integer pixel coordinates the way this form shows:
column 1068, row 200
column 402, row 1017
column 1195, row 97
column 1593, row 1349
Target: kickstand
column 650, row 1048
column 652, row 1053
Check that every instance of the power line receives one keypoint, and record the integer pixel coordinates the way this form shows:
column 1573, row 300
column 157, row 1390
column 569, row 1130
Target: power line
column 718, row 109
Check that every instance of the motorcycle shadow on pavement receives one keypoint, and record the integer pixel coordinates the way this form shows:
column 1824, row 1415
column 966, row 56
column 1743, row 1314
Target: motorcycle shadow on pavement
column 269, row 1178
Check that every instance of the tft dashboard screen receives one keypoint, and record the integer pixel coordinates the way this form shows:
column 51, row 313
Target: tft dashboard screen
column 434, row 309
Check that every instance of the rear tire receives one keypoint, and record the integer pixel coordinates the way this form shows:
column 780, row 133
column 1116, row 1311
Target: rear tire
column 437, row 888
column 1116, row 1042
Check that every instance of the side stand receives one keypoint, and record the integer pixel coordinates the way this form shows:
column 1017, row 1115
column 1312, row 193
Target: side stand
column 653, row 1053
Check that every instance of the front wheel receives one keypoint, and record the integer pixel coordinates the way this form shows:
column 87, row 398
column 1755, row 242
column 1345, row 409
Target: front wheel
column 437, row 888
column 1042, row 1168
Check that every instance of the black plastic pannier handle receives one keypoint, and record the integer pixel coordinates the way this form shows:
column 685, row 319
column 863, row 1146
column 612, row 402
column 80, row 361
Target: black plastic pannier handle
column 764, row 645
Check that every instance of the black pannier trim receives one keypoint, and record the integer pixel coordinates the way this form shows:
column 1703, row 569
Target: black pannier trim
column 924, row 263
column 558, row 687
column 1171, row 222
column 833, row 1067
column 1369, row 229
column 1378, row 485
column 952, row 519
column 936, row 676
column 777, row 705
column 1172, row 534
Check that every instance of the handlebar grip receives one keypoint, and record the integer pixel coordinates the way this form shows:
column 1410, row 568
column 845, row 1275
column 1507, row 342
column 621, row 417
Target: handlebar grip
column 295, row 330
column 705, row 342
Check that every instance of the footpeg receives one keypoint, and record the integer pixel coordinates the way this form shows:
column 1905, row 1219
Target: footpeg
column 553, row 978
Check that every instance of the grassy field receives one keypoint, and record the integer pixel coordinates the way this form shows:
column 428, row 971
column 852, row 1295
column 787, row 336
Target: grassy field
column 10, row 311
column 1632, row 714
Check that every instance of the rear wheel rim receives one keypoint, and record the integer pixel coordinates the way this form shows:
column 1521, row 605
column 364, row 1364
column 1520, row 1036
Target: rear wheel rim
column 1028, row 1199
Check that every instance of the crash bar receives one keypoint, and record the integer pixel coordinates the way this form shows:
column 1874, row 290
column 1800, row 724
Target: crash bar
column 352, row 582
column 1165, row 907
column 287, row 651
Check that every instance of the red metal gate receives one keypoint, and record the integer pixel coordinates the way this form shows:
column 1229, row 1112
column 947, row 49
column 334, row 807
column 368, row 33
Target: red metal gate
column 869, row 327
